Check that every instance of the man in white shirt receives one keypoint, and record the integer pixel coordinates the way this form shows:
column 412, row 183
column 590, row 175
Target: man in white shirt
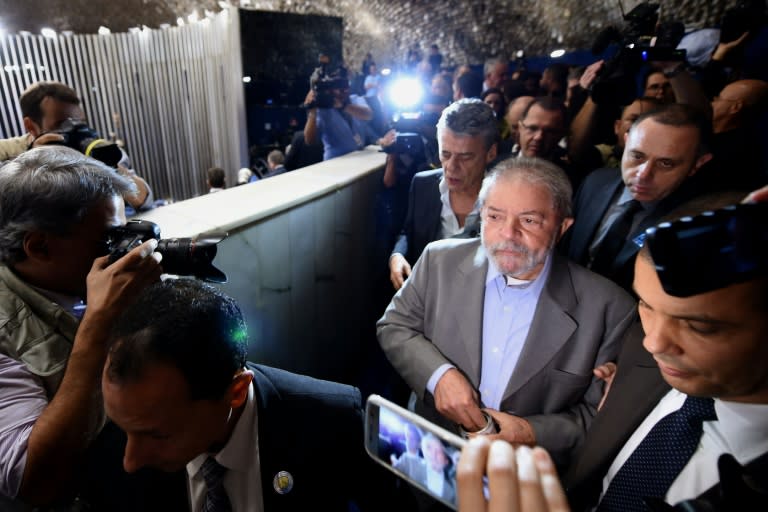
column 177, row 382
column 708, row 346
column 442, row 202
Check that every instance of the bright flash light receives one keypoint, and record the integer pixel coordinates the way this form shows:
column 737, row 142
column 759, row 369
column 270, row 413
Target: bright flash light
column 48, row 32
column 386, row 72
column 104, row 31
column 406, row 93
column 246, row 79
column 557, row 53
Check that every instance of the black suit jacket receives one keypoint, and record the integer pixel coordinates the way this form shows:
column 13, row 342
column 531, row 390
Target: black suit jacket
column 592, row 201
column 311, row 428
column 637, row 389
column 422, row 222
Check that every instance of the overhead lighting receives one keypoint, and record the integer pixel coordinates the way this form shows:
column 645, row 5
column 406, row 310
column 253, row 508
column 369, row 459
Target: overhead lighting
column 67, row 33
column 224, row 5
column 164, row 26
column 180, row 21
column 246, row 79
column 386, row 71
column 134, row 30
column 25, row 33
column 104, row 31
column 48, row 32
column 28, row 66
column 209, row 14
column 192, row 18
column 557, row 53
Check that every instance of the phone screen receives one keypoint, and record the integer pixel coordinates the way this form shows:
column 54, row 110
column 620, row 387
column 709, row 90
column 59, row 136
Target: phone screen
column 418, row 451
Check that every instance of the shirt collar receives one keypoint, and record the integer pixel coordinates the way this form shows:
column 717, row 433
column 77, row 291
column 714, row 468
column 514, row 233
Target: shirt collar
column 69, row 303
column 232, row 456
column 743, row 425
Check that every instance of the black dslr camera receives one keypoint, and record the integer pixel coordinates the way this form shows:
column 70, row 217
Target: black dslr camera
column 616, row 83
column 78, row 135
column 712, row 250
column 181, row 256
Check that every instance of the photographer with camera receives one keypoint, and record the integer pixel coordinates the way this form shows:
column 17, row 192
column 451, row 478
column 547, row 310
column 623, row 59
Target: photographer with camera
column 334, row 115
column 53, row 115
column 56, row 208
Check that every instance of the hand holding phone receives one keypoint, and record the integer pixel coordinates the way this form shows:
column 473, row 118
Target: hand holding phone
column 418, row 451
column 518, row 479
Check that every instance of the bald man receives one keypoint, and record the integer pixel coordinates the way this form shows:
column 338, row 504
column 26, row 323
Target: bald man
column 738, row 142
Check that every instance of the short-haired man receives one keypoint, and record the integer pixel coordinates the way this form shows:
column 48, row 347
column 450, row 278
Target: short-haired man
column 657, row 85
column 542, row 126
column 177, row 382
column 56, row 206
column 216, row 179
column 662, row 150
column 45, row 107
column 506, row 325
column 467, row 85
column 703, row 366
column 275, row 162
column 340, row 125
column 495, row 71
column 442, row 202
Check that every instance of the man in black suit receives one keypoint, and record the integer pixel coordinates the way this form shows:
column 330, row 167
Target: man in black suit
column 243, row 435
column 443, row 202
column 612, row 209
column 699, row 347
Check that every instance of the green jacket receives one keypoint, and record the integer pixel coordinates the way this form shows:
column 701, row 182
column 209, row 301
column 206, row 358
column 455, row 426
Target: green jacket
column 34, row 330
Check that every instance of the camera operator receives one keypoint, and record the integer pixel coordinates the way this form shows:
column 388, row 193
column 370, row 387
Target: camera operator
column 334, row 115
column 56, row 206
column 50, row 109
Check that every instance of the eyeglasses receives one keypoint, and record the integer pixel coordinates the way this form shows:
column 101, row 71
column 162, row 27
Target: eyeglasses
column 532, row 129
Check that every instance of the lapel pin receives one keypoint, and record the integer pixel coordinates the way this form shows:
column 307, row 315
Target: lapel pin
column 283, row 482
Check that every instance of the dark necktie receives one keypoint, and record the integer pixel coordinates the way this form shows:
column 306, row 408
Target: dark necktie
column 614, row 238
column 216, row 499
column 659, row 458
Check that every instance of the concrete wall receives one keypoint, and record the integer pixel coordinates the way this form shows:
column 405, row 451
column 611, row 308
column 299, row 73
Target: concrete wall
column 297, row 258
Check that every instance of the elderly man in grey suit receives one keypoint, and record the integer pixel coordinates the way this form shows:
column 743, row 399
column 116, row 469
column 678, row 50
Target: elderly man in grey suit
column 504, row 324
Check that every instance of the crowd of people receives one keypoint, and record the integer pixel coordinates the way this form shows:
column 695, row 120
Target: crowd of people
column 524, row 289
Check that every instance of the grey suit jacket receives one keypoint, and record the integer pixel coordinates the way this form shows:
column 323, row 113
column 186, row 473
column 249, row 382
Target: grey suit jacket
column 579, row 323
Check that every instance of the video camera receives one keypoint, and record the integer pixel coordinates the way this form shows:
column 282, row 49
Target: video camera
column 181, row 256
column 616, row 83
column 81, row 137
column 324, row 83
column 712, row 250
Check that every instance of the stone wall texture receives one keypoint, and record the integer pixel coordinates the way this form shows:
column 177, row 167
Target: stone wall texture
column 466, row 31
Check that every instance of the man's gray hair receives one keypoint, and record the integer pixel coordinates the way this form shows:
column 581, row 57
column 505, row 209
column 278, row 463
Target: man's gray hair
column 491, row 63
column 535, row 171
column 470, row 117
column 51, row 189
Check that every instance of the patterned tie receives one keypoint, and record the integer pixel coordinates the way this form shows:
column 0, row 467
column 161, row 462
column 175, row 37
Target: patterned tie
column 216, row 499
column 614, row 238
column 659, row 458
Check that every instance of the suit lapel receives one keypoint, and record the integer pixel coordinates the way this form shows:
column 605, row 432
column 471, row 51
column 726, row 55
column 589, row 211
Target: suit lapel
column 551, row 327
column 434, row 208
column 591, row 214
column 470, row 281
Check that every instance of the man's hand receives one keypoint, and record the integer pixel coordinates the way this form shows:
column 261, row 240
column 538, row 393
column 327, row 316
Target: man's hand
column 605, row 372
column 112, row 288
column 47, row 138
column 310, row 98
column 590, row 74
column 458, row 401
column 387, row 139
column 757, row 196
column 399, row 270
column 512, row 429
column 519, row 480
column 724, row 49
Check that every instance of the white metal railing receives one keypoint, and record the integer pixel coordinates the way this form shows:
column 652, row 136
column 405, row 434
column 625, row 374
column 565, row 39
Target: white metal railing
column 174, row 95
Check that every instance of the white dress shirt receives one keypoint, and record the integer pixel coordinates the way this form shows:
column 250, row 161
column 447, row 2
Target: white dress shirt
column 240, row 456
column 449, row 225
column 740, row 429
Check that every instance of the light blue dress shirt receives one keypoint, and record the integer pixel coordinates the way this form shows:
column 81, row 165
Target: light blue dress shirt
column 507, row 315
